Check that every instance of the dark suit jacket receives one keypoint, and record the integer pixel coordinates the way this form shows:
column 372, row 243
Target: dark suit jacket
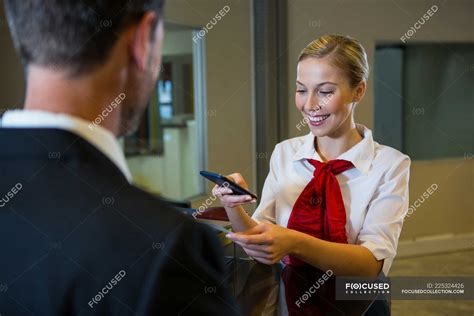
column 77, row 238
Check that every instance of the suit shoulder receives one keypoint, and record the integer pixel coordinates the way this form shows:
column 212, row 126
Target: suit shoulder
column 151, row 211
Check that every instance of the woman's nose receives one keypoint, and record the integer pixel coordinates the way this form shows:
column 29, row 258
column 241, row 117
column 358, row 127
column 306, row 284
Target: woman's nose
column 311, row 103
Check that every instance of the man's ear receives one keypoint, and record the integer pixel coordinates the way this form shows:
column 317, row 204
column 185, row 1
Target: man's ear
column 142, row 40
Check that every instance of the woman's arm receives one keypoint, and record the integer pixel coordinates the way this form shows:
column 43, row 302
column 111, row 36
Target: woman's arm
column 342, row 259
column 268, row 243
column 238, row 217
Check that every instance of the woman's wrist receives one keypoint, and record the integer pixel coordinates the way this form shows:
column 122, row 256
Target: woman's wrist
column 296, row 242
column 239, row 218
column 229, row 209
column 301, row 243
column 232, row 210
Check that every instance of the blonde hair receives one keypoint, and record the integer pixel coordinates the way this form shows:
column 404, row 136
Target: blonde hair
column 344, row 52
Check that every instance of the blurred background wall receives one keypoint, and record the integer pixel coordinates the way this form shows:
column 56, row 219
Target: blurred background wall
column 443, row 221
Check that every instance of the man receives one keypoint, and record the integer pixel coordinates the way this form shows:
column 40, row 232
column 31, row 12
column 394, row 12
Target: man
column 76, row 236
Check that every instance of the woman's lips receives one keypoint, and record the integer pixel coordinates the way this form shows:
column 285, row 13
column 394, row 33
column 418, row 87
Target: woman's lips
column 318, row 119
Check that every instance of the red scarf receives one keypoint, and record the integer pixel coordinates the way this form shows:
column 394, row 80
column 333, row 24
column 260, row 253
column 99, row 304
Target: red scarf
column 319, row 211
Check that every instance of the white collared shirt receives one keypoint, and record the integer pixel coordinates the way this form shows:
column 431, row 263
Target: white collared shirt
column 375, row 192
column 101, row 138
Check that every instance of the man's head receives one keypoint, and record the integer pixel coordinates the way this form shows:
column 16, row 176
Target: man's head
column 85, row 39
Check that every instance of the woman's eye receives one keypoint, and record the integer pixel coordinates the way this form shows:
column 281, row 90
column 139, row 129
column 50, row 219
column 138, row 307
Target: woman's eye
column 326, row 92
column 300, row 91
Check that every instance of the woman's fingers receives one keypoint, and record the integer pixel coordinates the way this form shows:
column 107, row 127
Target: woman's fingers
column 228, row 198
column 259, row 248
column 259, row 239
column 236, row 198
column 237, row 178
column 256, row 254
column 261, row 259
column 220, row 190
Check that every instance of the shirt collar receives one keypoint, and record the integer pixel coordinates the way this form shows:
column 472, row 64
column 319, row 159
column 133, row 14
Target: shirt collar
column 361, row 154
column 99, row 137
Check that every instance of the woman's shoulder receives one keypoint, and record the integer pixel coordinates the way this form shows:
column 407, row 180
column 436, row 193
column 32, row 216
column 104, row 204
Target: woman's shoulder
column 294, row 143
column 389, row 158
column 287, row 148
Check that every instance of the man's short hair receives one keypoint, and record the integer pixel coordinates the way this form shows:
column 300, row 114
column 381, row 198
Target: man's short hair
column 75, row 35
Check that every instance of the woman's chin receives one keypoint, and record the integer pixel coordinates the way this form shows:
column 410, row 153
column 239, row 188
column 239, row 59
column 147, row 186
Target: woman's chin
column 320, row 131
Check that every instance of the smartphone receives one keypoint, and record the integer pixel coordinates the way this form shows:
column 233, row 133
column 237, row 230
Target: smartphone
column 221, row 180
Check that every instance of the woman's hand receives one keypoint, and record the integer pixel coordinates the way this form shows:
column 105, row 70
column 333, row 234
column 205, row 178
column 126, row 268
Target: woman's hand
column 228, row 198
column 266, row 243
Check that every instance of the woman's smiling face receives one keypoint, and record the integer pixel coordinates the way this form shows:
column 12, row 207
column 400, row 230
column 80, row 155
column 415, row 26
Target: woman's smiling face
column 320, row 85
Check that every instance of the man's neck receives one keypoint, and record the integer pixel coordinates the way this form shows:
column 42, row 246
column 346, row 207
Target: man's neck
column 83, row 98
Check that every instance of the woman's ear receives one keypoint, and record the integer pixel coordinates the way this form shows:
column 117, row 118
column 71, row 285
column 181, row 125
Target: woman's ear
column 360, row 91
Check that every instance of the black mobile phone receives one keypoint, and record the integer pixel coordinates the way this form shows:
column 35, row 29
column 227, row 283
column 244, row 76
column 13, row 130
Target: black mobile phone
column 222, row 180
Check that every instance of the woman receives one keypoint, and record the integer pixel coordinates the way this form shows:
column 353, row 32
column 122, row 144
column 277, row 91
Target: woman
column 333, row 199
